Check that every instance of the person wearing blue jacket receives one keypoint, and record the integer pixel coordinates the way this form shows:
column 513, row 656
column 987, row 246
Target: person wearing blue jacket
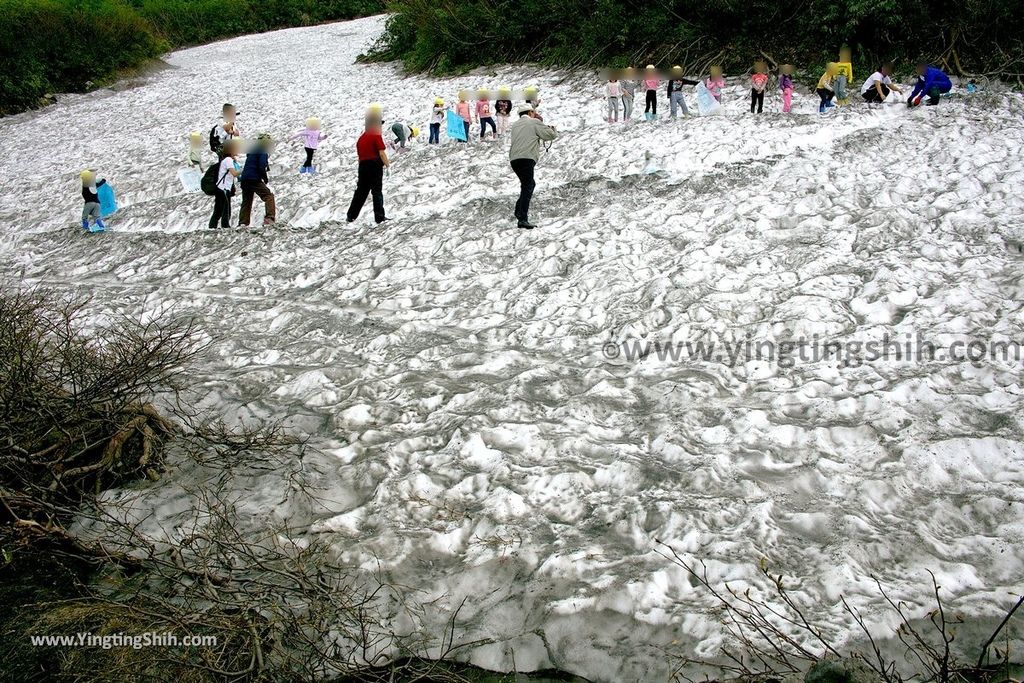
column 932, row 82
column 254, row 178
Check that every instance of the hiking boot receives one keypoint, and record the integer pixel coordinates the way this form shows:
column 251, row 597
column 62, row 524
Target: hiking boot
column 526, row 225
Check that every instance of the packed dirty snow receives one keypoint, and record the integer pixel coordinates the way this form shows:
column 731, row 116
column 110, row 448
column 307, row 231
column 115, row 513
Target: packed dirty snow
column 475, row 440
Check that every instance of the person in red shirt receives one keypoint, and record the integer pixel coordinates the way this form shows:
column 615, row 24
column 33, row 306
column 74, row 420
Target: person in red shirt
column 373, row 159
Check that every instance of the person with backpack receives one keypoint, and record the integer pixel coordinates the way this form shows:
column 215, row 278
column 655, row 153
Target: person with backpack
column 254, row 179
column 222, row 179
column 226, row 130
column 527, row 133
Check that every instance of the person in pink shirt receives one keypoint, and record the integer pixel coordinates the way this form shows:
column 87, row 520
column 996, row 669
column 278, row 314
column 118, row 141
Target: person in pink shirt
column 758, row 84
column 651, row 84
column 715, row 83
column 310, row 137
column 464, row 111
column 483, row 113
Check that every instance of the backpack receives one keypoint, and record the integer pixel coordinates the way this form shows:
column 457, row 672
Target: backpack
column 209, row 182
column 215, row 143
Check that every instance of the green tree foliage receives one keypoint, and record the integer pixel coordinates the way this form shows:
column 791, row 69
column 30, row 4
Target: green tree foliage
column 62, row 45
column 964, row 36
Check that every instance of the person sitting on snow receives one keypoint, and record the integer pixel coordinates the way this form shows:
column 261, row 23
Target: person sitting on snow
column 932, row 82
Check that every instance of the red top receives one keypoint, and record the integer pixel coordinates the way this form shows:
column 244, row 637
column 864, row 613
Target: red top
column 369, row 146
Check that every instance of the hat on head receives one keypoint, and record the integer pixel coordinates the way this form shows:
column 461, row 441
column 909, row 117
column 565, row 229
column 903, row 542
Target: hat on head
column 312, row 121
column 438, row 101
column 524, row 109
column 86, row 174
column 195, row 135
column 415, row 132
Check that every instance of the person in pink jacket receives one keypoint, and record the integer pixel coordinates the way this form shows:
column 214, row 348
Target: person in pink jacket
column 758, row 84
column 465, row 111
column 310, row 137
column 484, row 114
column 651, row 84
column 715, row 83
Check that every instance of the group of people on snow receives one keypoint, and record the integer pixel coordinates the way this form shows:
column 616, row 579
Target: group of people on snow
column 527, row 133
column 833, row 87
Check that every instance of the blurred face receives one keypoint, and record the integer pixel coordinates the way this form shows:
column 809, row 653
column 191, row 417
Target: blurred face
column 921, row 68
column 845, row 55
column 88, row 179
column 229, row 114
column 716, row 72
column 885, row 71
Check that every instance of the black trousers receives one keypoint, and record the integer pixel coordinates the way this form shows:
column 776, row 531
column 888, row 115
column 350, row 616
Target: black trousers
column 872, row 95
column 370, row 182
column 826, row 95
column 652, row 103
column 309, row 156
column 221, row 210
column 524, row 171
column 756, row 99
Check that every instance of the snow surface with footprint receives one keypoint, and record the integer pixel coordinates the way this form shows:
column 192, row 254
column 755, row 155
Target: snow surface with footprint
column 475, row 443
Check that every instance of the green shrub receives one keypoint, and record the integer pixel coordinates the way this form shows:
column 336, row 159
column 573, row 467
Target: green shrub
column 63, row 45
column 974, row 36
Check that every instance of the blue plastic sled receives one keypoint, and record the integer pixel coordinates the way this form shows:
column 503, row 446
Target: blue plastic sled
column 108, row 201
column 456, row 127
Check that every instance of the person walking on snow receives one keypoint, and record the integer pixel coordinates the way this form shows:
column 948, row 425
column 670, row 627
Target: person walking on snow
column 373, row 159
column 932, row 83
column 310, row 137
column 91, row 208
column 483, row 114
column 503, row 108
column 437, row 115
column 527, row 134
column 226, row 130
column 227, row 171
column 254, row 181
column 675, row 92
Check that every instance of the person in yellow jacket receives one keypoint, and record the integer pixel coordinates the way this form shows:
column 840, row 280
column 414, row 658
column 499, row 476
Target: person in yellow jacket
column 844, row 75
column 827, row 87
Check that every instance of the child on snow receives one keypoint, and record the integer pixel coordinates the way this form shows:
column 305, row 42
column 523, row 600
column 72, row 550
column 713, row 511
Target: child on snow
column 826, row 87
column 311, row 137
column 403, row 133
column 651, row 83
column 483, row 113
column 844, row 75
column 613, row 95
column 437, row 115
column 758, row 84
column 675, row 92
column 195, row 151
column 627, row 86
column 91, row 210
column 465, row 112
column 715, row 83
column 226, row 173
column 532, row 98
column 503, row 109
column 786, row 86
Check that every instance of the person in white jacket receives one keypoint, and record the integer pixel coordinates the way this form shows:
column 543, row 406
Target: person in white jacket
column 613, row 93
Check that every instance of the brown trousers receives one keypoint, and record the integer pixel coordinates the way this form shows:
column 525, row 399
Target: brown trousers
column 256, row 187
